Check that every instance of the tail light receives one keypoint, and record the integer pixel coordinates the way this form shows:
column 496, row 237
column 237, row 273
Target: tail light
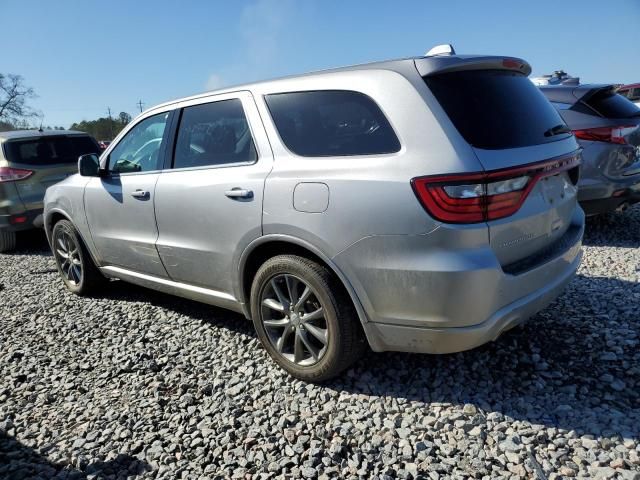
column 8, row 174
column 484, row 196
column 606, row 134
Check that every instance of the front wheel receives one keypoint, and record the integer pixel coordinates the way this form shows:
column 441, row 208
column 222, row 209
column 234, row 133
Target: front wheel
column 304, row 318
column 74, row 263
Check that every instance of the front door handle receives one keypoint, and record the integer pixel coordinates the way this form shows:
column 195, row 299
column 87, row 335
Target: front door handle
column 239, row 193
column 140, row 194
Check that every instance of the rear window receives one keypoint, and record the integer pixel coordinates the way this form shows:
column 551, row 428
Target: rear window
column 331, row 123
column 495, row 109
column 49, row 150
column 612, row 105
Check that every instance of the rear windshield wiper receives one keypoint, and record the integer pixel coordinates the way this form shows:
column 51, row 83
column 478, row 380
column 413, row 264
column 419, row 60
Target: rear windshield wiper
column 557, row 130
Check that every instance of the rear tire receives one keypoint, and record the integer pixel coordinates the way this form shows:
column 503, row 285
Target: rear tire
column 78, row 272
column 304, row 318
column 7, row 241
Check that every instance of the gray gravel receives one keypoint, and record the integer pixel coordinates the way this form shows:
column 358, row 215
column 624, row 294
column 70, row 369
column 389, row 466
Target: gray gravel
column 137, row 384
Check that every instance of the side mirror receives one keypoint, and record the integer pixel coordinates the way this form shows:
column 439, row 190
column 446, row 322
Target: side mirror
column 89, row 165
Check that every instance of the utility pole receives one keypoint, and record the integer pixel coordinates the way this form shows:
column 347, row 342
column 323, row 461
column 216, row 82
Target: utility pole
column 110, row 122
column 140, row 104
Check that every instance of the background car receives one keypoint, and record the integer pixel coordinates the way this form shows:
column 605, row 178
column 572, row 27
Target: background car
column 31, row 161
column 559, row 77
column 631, row 91
column 104, row 144
column 607, row 126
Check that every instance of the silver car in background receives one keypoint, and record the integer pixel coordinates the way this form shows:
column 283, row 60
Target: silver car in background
column 422, row 205
column 607, row 126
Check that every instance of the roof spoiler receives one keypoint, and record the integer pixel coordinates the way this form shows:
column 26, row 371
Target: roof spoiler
column 447, row 63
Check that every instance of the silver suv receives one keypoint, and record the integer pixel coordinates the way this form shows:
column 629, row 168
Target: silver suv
column 422, row 205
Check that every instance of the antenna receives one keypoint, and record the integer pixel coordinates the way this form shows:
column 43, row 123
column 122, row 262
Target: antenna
column 140, row 104
column 110, row 122
column 444, row 49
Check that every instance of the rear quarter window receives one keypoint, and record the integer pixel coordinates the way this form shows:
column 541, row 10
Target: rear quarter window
column 496, row 109
column 330, row 123
column 49, row 150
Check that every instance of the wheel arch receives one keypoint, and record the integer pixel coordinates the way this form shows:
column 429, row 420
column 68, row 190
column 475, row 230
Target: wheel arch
column 268, row 246
column 53, row 217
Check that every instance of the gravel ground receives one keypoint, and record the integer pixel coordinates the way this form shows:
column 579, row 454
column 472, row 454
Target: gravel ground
column 137, row 384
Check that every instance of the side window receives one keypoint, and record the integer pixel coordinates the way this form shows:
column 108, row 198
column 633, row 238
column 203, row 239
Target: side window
column 214, row 134
column 139, row 150
column 634, row 94
column 331, row 123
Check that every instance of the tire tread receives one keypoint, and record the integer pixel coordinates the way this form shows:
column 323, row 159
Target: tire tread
column 351, row 338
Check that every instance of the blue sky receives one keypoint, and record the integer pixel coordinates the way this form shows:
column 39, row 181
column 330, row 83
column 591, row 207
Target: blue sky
column 84, row 56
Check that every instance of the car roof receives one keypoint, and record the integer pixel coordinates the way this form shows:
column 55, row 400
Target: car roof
column 572, row 93
column 630, row 85
column 18, row 134
column 426, row 65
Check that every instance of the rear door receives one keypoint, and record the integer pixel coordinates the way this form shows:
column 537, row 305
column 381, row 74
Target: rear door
column 51, row 158
column 209, row 203
column 509, row 123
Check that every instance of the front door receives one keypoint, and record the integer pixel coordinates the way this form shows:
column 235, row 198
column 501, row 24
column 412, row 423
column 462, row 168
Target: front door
column 120, row 204
column 209, row 204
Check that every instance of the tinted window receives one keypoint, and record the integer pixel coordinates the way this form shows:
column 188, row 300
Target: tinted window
column 50, row 150
column 496, row 109
column 139, row 150
column 612, row 105
column 214, row 134
column 331, row 123
column 634, row 95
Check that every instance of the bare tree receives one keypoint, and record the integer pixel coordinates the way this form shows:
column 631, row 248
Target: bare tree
column 13, row 99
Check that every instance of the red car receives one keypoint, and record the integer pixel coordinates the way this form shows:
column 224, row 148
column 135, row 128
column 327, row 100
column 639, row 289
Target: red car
column 104, row 144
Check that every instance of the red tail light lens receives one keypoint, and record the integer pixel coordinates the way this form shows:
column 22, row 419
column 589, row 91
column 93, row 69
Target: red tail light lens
column 606, row 134
column 484, row 196
column 17, row 220
column 8, row 174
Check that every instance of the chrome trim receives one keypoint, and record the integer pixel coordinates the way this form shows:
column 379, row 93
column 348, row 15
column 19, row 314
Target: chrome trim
column 201, row 294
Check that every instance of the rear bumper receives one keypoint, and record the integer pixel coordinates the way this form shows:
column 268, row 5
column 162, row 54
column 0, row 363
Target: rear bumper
column 450, row 340
column 21, row 221
column 604, row 185
column 618, row 198
column 423, row 295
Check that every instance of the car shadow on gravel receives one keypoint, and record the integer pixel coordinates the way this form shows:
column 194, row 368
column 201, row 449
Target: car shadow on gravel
column 575, row 365
column 615, row 229
column 18, row 461
column 31, row 242
column 123, row 291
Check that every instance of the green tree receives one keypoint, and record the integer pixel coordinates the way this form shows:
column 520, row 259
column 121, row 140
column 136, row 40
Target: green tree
column 102, row 128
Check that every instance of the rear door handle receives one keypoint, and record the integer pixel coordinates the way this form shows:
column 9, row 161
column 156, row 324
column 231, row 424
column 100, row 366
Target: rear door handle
column 239, row 193
column 140, row 194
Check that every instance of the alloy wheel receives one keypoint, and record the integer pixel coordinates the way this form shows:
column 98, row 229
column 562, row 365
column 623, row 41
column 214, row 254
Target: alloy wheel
column 294, row 320
column 68, row 256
